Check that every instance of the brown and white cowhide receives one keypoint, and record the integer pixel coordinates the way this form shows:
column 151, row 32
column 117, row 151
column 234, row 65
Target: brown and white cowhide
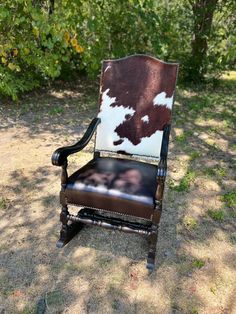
column 136, row 99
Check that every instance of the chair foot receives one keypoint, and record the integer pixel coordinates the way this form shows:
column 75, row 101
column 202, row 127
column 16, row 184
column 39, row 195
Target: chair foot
column 152, row 248
column 67, row 233
column 151, row 261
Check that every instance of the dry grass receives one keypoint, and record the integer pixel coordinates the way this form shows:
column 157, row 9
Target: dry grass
column 101, row 271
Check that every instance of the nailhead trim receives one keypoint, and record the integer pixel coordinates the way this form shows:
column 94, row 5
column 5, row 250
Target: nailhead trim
column 108, row 211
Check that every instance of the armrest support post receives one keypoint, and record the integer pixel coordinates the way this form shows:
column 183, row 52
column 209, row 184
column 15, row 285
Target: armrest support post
column 161, row 175
column 64, row 176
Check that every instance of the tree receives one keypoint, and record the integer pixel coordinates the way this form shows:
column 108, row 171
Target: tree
column 208, row 15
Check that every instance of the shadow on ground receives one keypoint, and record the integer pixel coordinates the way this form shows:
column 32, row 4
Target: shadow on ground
column 101, row 271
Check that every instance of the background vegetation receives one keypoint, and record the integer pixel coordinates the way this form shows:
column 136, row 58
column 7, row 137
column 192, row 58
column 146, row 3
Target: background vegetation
column 41, row 40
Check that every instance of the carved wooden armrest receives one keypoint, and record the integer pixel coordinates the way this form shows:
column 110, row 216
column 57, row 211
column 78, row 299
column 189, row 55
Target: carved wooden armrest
column 59, row 157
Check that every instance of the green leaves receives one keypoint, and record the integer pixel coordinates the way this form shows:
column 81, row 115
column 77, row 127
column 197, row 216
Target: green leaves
column 103, row 29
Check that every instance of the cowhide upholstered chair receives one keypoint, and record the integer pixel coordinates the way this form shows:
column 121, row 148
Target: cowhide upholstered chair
column 134, row 119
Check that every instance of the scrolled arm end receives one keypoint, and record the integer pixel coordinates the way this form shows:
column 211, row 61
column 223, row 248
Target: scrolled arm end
column 57, row 157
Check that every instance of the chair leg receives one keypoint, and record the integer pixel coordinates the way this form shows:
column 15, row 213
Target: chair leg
column 152, row 238
column 67, row 231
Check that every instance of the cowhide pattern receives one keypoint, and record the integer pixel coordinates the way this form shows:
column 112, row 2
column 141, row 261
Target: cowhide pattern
column 136, row 99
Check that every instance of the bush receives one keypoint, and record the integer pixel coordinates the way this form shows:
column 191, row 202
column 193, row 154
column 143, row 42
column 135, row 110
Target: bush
column 36, row 46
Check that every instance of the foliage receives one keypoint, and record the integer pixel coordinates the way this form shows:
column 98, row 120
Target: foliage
column 35, row 48
column 79, row 34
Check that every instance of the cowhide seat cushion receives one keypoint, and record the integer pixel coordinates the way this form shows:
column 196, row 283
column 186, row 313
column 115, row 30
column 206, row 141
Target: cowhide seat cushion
column 119, row 185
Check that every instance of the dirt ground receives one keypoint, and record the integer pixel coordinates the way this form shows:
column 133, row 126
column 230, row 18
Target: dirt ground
column 101, row 271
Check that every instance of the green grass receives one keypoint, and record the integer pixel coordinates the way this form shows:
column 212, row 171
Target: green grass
column 185, row 182
column 189, row 223
column 217, row 215
column 216, row 171
column 54, row 298
column 232, row 214
column 229, row 199
column 182, row 138
column 55, row 111
column 198, row 263
column 194, row 155
column 213, row 290
column 3, row 203
column 232, row 146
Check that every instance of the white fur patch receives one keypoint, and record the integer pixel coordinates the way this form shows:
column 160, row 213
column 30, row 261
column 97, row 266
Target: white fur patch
column 162, row 100
column 111, row 118
column 145, row 119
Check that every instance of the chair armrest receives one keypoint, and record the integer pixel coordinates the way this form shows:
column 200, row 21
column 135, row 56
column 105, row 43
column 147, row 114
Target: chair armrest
column 60, row 155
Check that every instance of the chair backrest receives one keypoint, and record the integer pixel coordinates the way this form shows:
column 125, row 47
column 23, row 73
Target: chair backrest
column 136, row 98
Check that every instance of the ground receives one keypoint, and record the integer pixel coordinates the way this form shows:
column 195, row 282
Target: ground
column 101, row 271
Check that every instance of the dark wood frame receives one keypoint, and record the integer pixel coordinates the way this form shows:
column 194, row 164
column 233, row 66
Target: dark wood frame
column 72, row 224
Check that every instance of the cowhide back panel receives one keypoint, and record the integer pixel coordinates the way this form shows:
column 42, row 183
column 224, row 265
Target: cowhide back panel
column 136, row 98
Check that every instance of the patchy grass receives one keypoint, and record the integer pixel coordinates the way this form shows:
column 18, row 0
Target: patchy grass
column 185, row 182
column 190, row 223
column 182, row 138
column 194, row 155
column 3, row 203
column 217, row 215
column 198, row 263
column 229, row 199
column 232, row 213
column 217, row 172
column 213, row 290
column 56, row 111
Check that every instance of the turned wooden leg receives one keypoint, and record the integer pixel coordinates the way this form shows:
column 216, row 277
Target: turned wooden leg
column 68, row 231
column 152, row 238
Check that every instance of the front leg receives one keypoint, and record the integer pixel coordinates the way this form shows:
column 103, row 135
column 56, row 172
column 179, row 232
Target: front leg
column 152, row 239
column 68, row 231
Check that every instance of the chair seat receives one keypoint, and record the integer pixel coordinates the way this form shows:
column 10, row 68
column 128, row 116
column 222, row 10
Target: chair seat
column 117, row 185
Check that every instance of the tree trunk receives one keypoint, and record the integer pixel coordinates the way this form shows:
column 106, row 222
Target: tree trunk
column 203, row 11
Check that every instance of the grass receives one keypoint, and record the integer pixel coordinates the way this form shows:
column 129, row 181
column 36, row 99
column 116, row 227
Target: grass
column 53, row 298
column 194, row 155
column 55, row 111
column 182, row 138
column 217, row 215
column 218, row 172
column 3, row 203
column 189, row 223
column 232, row 146
column 232, row 214
column 229, row 199
column 213, row 290
column 185, row 182
column 198, row 263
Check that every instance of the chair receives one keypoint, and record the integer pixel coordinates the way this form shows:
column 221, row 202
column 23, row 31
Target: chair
column 134, row 119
